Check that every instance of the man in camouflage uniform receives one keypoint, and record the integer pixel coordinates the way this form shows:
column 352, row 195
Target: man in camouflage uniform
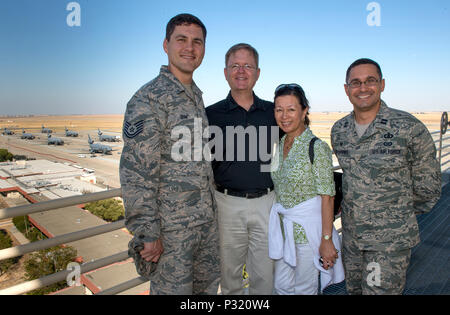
column 390, row 174
column 168, row 195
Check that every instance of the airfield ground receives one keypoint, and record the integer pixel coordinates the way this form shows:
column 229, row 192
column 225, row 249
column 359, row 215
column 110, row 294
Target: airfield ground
column 107, row 166
column 75, row 149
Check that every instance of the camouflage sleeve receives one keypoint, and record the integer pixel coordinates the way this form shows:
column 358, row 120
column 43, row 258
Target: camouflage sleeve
column 140, row 168
column 425, row 169
column 332, row 138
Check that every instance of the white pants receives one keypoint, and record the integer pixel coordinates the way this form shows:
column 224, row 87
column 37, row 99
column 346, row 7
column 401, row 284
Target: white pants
column 301, row 280
column 243, row 234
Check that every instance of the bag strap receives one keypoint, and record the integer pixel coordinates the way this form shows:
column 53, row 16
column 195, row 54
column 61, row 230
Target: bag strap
column 311, row 149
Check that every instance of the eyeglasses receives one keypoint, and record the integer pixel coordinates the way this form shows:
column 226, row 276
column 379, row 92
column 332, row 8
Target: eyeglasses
column 357, row 84
column 291, row 86
column 246, row 67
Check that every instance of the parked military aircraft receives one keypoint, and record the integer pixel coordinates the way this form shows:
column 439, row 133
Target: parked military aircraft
column 28, row 136
column 70, row 133
column 46, row 130
column 98, row 147
column 108, row 138
column 54, row 140
column 8, row 132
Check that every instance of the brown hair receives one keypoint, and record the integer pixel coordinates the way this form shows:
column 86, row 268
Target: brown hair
column 240, row 46
column 181, row 19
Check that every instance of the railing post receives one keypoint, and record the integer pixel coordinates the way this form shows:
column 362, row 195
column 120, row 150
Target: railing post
column 440, row 147
column 444, row 125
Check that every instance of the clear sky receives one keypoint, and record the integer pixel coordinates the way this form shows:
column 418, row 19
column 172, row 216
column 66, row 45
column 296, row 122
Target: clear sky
column 48, row 67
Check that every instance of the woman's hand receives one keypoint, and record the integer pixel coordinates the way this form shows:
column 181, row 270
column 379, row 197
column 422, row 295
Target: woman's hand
column 326, row 249
column 328, row 253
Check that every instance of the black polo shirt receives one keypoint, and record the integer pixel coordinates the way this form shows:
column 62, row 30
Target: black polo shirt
column 240, row 167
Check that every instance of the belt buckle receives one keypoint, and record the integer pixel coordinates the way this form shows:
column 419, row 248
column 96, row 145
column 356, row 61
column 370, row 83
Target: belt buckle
column 252, row 195
column 249, row 195
column 257, row 194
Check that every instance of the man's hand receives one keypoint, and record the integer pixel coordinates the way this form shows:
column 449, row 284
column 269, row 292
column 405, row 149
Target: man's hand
column 152, row 251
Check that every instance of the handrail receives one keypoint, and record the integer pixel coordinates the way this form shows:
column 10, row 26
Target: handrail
column 123, row 286
column 19, row 250
column 58, row 203
column 70, row 237
column 60, row 276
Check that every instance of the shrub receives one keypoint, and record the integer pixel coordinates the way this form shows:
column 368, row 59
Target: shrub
column 6, row 242
column 26, row 228
column 46, row 262
column 109, row 210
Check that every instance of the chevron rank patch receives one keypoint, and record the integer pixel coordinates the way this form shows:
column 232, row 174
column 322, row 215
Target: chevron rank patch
column 132, row 130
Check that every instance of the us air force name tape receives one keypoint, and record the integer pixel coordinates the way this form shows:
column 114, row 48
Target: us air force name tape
column 132, row 130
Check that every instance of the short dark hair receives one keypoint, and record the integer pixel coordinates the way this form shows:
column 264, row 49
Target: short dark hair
column 240, row 46
column 296, row 91
column 363, row 61
column 182, row 19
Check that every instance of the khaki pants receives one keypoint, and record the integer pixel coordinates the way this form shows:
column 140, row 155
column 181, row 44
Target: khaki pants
column 243, row 230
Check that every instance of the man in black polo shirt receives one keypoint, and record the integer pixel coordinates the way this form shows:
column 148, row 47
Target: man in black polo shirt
column 244, row 194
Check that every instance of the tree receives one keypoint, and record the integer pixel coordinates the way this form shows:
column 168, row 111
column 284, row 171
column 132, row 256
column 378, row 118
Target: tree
column 5, row 155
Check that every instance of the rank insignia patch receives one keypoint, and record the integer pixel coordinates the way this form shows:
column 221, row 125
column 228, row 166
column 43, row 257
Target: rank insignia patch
column 132, row 130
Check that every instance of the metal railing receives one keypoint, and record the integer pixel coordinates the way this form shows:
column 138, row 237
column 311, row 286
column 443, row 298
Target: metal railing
column 442, row 147
column 63, row 239
column 79, row 235
column 444, row 126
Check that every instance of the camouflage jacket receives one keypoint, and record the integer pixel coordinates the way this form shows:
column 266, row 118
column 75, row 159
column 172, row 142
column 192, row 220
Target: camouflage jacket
column 160, row 193
column 389, row 174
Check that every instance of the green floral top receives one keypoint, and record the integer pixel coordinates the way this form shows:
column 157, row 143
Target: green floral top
column 296, row 180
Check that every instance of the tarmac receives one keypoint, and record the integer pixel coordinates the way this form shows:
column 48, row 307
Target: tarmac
column 106, row 166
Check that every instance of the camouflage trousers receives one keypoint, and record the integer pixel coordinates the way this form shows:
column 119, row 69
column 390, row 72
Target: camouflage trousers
column 190, row 262
column 374, row 272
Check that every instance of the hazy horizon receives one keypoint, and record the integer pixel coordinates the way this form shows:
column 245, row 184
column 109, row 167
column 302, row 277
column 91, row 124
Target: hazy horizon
column 121, row 114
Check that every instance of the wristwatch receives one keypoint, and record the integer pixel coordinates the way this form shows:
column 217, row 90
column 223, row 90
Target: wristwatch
column 326, row 237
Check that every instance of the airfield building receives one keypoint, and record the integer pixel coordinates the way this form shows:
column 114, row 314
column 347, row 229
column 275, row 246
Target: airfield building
column 51, row 179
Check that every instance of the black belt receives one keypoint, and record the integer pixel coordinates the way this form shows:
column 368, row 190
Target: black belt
column 248, row 195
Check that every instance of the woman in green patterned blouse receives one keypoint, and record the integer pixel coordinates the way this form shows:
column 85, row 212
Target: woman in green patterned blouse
column 298, row 182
